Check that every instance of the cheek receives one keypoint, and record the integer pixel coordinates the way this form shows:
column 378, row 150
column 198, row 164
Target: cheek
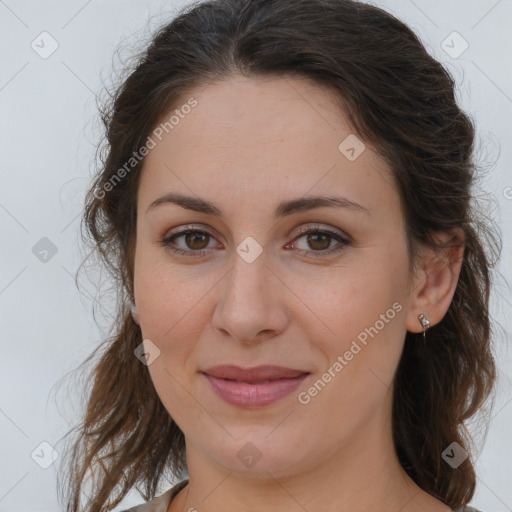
column 172, row 304
column 353, row 297
column 361, row 356
column 156, row 296
column 172, row 317
column 363, row 318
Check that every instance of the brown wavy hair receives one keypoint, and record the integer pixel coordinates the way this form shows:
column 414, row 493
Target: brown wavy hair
column 398, row 98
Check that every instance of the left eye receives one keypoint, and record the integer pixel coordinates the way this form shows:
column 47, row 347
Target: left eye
column 320, row 240
column 197, row 241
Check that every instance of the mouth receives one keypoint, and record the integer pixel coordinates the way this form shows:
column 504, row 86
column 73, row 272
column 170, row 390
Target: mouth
column 257, row 374
column 256, row 387
column 254, row 382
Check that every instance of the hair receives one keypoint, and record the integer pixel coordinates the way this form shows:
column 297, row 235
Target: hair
column 396, row 97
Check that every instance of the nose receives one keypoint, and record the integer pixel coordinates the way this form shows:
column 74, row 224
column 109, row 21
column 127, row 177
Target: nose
column 251, row 305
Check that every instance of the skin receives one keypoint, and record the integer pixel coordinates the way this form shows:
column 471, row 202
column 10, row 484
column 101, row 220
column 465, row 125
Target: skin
column 272, row 139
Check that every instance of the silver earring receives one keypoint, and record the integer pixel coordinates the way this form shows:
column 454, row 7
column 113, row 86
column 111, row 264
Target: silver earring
column 135, row 313
column 424, row 323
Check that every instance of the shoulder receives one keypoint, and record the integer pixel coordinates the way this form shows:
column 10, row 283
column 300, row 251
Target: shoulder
column 467, row 509
column 160, row 503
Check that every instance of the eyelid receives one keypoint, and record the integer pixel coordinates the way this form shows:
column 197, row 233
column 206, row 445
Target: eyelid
column 188, row 227
column 301, row 230
column 319, row 227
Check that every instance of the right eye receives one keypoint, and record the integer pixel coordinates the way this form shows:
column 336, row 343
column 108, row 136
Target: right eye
column 192, row 237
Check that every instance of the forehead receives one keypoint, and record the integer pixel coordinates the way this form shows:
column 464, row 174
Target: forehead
column 260, row 138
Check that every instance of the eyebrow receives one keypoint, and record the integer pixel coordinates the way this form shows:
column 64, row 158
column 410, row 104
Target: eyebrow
column 284, row 209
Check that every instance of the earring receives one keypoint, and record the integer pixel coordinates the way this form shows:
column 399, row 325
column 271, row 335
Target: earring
column 135, row 313
column 424, row 323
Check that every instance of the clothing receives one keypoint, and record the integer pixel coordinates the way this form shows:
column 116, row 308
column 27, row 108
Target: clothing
column 162, row 502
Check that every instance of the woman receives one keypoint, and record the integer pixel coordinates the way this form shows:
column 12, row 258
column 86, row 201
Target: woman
column 285, row 203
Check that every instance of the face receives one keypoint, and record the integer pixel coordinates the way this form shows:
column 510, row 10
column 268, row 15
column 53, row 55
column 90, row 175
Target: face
column 250, row 288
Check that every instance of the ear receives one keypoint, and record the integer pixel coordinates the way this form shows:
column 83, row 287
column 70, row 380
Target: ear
column 436, row 279
column 135, row 313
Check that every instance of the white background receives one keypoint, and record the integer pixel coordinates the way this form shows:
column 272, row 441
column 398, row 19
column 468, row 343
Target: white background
column 48, row 134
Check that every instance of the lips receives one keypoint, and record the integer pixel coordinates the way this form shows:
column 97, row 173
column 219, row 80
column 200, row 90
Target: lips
column 253, row 387
column 258, row 374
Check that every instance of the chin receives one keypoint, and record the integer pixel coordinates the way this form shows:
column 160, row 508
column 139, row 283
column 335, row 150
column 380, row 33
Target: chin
column 257, row 455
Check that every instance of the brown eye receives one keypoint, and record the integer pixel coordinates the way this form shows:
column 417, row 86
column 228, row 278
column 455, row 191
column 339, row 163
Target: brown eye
column 196, row 240
column 319, row 241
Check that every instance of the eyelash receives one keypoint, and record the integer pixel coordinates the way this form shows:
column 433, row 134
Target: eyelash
column 166, row 242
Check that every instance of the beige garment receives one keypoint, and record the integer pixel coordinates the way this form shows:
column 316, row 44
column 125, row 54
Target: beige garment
column 160, row 503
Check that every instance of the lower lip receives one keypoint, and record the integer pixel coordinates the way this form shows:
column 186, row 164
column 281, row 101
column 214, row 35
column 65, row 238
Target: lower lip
column 244, row 394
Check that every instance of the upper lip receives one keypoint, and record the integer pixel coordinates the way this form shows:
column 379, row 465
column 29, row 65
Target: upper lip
column 257, row 373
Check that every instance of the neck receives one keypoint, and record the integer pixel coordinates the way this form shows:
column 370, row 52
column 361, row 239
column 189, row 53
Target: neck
column 362, row 475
